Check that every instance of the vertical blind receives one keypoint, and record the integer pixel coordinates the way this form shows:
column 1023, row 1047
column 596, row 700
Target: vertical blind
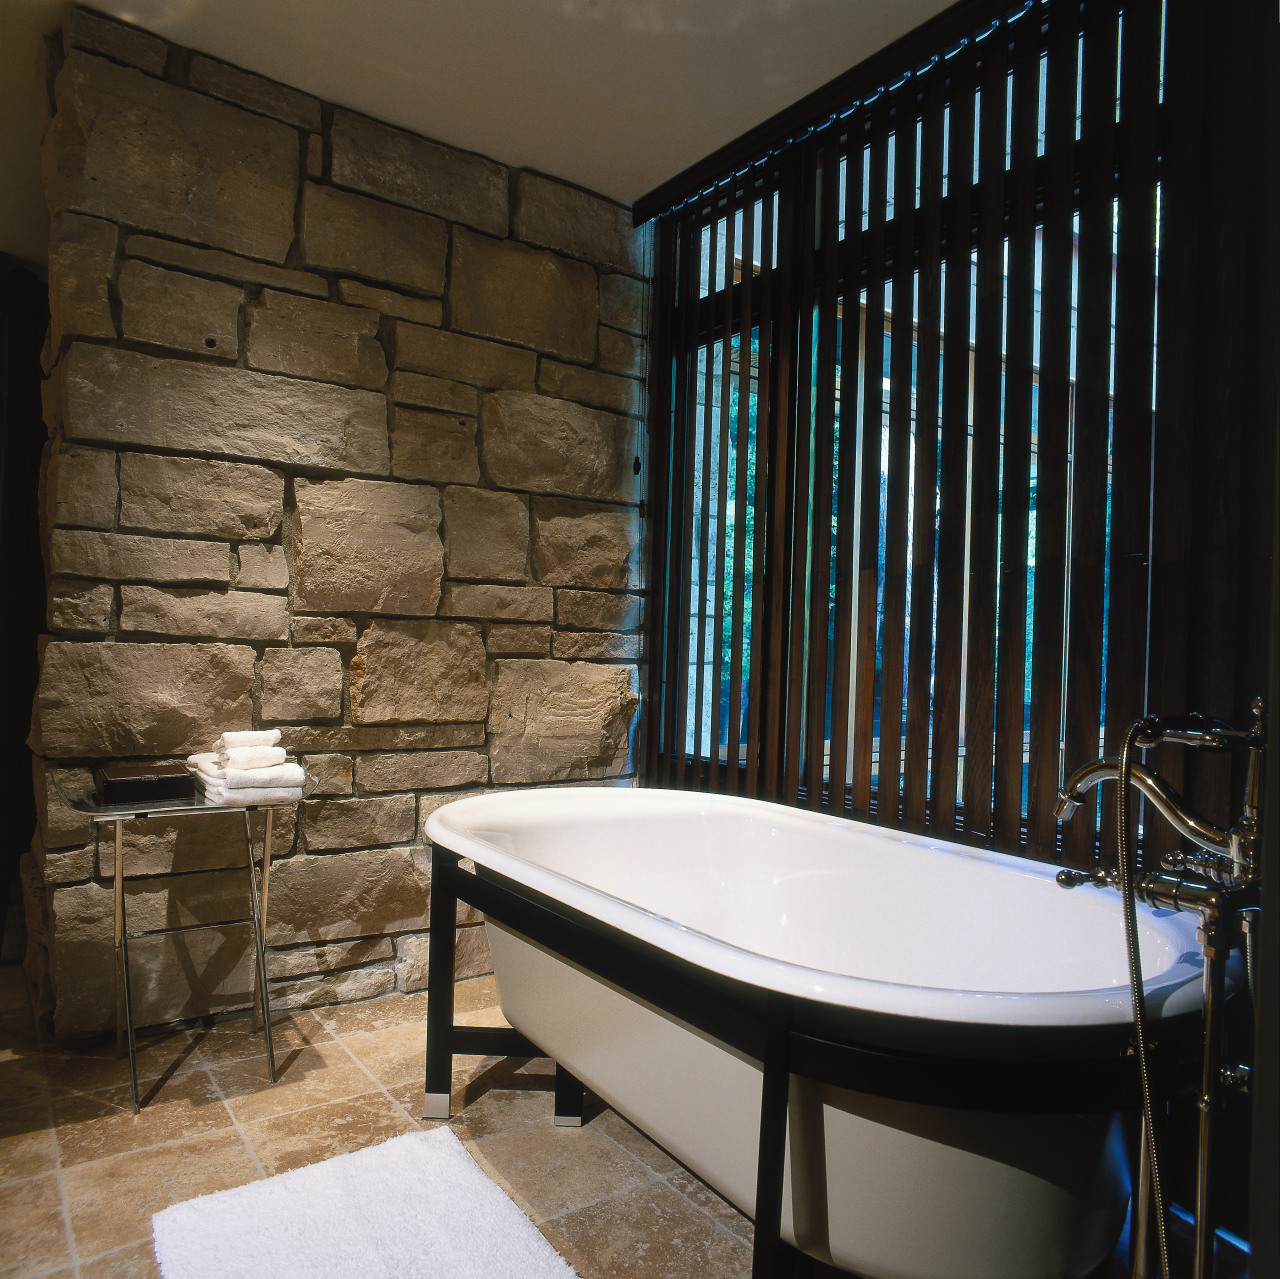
column 911, row 554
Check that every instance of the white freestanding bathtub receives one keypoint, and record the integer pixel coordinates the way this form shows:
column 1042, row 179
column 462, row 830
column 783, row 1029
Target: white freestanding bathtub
column 909, row 945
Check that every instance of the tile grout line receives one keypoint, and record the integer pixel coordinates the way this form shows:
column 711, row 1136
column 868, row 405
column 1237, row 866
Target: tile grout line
column 235, row 1123
column 57, row 1145
column 415, row 1120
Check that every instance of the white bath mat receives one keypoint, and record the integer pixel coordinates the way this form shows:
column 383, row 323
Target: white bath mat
column 416, row 1206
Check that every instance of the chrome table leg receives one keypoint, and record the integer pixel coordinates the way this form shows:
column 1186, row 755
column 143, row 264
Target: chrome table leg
column 259, row 933
column 124, row 1003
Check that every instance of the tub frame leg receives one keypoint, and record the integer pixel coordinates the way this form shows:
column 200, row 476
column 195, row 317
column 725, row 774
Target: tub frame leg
column 775, row 1090
column 569, row 1094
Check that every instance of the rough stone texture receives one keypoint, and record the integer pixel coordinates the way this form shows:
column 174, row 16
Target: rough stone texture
column 384, row 301
column 577, row 544
column 595, row 646
column 168, row 308
column 464, row 359
column 430, row 801
column 180, row 845
column 586, row 386
column 60, row 825
column 104, row 700
column 80, row 606
column 441, row 447
column 224, row 265
column 502, row 603
column 263, row 568
column 360, row 737
column 285, row 333
column 63, row 866
column 199, row 495
column 550, row 720
column 504, row 639
column 324, row 959
column 530, row 442
column 84, row 29
column 359, row 894
column 406, row 169
column 82, row 553
column 357, row 823
column 335, row 988
column 503, row 290
column 595, row 611
column 301, row 684
column 247, row 90
column 244, row 615
column 574, row 222
column 435, row 393
column 82, row 254
column 315, row 156
column 471, row 958
column 622, row 353
column 81, row 488
column 486, row 535
column 421, row 770
column 345, row 232
column 127, row 398
column 624, row 302
column 323, row 630
column 135, row 149
column 429, row 670
column 366, row 547
column 333, row 773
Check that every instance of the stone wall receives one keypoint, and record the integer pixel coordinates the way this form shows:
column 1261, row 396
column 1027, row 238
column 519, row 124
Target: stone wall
column 343, row 438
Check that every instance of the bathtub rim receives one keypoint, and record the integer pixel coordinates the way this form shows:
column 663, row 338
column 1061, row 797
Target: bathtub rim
column 1171, row 994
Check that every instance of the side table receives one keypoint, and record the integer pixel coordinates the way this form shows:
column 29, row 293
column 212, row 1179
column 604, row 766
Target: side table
column 121, row 813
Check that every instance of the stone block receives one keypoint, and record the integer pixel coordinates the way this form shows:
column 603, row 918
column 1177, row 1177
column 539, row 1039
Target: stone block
column 350, row 895
column 429, row 802
column 85, row 29
column 226, row 266
column 301, row 684
column 464, row 359
column 499, row 289
column 246, row 615
column 65, row 865
column 359, row 823
column 531, row 442
column 596, row 611
column 333, row 773
column 365, row 546
column 334, row 988
column 588, row 386
column 622, row 353
column 82, row 256
column 342, row 231
column 624, row 303
column 421, row 770
column 441, row 447
column 574, row 222
column 80, row 606
column 81, row 958
column 247, row 90
column 60, row 826
column 506, row 639
column 597, row 646
column 486, row 535
column 199, row 495
column 307, row 960
column 125, row 557
column 315, row 156
column 285, row 333
column 471, row 958
column 195, row 974
column 551, row 721
column 435, row 393
column 323, row 630
column 385, row 302
column 406, row 169
column 580, row 544
column 123, row 397
column 429, row 670
column 500, row 603
column 263, row 568
column 81, row 489
column 181, row 845
column 185, row 312
column 103, row 700
column 136, row 150
column 362, row 737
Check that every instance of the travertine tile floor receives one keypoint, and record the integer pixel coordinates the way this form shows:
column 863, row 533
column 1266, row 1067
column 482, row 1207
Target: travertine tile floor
column 80, row 1174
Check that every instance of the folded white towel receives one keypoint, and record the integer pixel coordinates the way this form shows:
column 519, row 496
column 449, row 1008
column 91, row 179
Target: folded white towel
column 252, row 756
column 281, row 775
column 206, row 762
column 253, row 737
column 215, row 794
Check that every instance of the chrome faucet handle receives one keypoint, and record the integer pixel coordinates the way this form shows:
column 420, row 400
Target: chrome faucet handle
column 1098, row 877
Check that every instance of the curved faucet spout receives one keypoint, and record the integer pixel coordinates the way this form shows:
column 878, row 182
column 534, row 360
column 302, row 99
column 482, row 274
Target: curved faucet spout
column 1166, row 800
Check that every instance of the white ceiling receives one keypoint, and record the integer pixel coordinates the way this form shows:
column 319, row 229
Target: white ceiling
column 613, row 95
